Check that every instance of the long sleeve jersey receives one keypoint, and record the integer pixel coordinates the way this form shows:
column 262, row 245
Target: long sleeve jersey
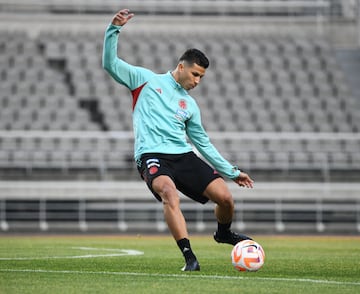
column 164, row 114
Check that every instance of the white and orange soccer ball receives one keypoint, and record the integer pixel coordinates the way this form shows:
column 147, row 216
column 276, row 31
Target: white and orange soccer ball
column 248, row 255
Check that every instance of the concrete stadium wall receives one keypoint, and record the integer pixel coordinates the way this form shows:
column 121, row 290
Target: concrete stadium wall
column 128, row 207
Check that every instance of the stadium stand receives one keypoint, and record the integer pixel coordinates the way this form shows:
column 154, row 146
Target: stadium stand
column 271, row 84
column 278, row 104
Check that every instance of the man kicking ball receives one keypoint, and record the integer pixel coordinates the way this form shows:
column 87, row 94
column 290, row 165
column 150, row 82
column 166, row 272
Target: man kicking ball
column 163, row 115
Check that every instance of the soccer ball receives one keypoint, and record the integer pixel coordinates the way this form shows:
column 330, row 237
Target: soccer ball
column 247, row 255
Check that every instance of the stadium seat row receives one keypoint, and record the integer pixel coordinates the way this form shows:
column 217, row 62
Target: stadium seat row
column 280, row 84
column 68, row 152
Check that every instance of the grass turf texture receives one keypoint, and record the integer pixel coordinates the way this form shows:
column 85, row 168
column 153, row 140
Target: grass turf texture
column 65, row 264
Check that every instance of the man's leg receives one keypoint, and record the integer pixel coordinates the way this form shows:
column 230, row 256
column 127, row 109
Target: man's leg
column 218, row 192
column 166, row 189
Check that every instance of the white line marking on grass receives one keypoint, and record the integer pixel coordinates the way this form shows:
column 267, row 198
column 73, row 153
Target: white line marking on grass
column 183, row 276
column 118, row 252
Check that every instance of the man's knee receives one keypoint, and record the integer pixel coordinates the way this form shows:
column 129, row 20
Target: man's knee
column 218, row 192
column 225, row 199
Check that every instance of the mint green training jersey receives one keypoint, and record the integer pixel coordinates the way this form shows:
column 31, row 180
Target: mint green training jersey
column 164, row 114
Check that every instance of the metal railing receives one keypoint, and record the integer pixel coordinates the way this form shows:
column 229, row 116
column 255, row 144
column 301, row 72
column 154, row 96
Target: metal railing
column 120, row 207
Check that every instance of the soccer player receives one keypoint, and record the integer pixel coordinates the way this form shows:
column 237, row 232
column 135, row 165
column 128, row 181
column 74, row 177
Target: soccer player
column 163, row 115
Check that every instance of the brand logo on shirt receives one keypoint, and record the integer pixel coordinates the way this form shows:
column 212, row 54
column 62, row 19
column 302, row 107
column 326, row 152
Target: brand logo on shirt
column 159, row 90
column 181, row 115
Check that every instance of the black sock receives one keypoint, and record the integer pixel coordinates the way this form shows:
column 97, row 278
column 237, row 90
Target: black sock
column 223, row 229
column 184, row 245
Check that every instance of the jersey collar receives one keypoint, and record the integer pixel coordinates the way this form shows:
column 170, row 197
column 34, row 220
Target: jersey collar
column 174, row 83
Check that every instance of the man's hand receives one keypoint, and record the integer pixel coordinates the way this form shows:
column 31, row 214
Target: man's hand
column 243, row 180
column 122, row 17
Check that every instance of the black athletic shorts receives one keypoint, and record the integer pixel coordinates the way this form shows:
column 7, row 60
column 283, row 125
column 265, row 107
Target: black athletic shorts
column 190, row 174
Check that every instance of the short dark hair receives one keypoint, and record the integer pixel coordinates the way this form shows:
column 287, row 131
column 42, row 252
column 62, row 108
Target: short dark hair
column 193, row 55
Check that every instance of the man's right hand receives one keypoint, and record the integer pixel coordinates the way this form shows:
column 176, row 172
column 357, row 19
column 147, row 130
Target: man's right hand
column 243, row 180
column 122, row 17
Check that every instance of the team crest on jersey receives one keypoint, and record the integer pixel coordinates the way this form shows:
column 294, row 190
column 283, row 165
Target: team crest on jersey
column 182, row 104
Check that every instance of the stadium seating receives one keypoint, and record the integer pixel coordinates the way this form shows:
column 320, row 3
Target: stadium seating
column 300, row 90
column 255, row 84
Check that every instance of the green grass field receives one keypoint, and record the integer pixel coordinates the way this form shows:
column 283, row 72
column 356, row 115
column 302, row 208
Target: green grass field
column 109, row 264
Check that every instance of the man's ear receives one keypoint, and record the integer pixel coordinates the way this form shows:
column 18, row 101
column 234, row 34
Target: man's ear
column 181, row 66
